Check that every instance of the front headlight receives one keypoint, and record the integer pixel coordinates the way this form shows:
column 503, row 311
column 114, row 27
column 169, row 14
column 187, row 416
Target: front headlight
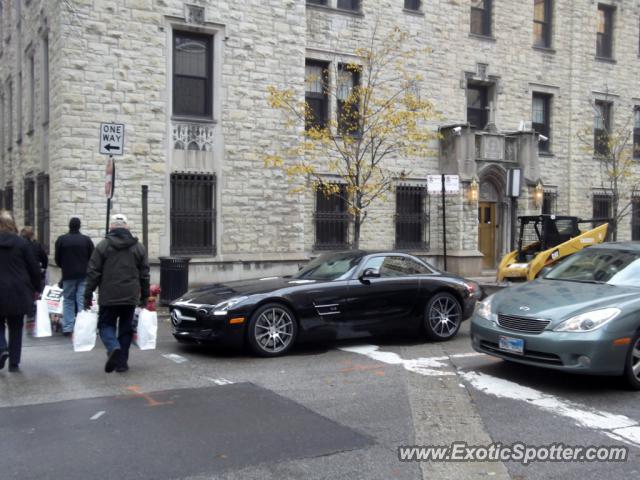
column 589, row 321
column 223, row 307
column 484, row 310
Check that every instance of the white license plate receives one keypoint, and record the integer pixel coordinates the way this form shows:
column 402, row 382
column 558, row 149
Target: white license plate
column 512, row 345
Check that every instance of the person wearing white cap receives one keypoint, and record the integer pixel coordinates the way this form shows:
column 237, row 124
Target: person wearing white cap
column 120, row 270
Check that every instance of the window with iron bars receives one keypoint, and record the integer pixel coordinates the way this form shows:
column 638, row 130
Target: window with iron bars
column 412, row 220
column 193, row 213
column 43, row 228
column 635, row 218
column 29, row 201
column 8, row 197
column 602, row 205
column 549, row 201
column 332, row 220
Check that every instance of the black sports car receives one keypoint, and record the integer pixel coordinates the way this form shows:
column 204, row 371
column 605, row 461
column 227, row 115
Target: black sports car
column 338, row 295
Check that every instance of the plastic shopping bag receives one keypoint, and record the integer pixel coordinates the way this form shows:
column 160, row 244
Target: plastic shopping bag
column 147, row 330
column 84, row 331
column 43, row 322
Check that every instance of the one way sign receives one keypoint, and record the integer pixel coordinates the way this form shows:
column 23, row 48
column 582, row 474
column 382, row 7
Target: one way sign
column 111, row 138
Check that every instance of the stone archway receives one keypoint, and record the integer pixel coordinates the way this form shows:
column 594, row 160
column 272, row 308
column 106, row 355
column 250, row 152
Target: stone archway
column 493, row 217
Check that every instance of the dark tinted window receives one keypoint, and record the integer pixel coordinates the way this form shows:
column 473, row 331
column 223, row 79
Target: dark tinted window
column 481, row 17
column 192, row 72
column 604, row 45
column 477, row 103
column 331, row 266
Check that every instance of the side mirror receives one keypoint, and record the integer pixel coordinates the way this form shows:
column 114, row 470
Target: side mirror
column 368, row 274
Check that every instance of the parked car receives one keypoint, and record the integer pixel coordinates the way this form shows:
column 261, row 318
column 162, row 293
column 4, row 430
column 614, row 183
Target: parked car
column 338, row 295
column 582, row 316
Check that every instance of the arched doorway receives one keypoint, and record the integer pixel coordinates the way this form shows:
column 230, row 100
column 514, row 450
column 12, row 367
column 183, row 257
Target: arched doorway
column 491, row 215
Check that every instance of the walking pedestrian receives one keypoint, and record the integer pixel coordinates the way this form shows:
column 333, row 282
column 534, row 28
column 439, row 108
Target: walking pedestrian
column 20, row 282
column 73, row 251
column 38, row 250
column 120, row 270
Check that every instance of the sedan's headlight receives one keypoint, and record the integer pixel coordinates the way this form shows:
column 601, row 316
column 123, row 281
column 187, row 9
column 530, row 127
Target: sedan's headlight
column 223, row 307
column 484, row 310
column 589, row 321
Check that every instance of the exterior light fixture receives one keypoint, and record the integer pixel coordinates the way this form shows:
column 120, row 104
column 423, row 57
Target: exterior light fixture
column 473, row 191
column 538, row 194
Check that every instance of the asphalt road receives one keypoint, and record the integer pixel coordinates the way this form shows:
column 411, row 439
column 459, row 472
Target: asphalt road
column 324, row 412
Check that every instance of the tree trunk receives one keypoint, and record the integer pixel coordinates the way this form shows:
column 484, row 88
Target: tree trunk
column 357, row 222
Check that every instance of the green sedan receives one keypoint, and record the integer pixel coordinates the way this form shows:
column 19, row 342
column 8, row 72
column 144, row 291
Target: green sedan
column 582, row 316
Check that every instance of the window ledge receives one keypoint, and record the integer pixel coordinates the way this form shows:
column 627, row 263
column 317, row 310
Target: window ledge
column 544, row 49
column 417, row 13
column 606, row 59
column 178, row 118
column 477, row 36
column 546, row 154
column 353, row 13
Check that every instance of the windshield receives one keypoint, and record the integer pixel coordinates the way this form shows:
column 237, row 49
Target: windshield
column 331, row 266
column 597, row 265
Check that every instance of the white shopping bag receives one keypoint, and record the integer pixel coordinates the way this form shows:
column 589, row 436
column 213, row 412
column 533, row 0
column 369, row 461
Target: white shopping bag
column 53, row 296
column 84, row 331
column 43, row 322
column 147, row 330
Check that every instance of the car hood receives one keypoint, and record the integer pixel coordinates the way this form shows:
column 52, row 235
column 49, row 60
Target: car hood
column 218, row 292
column 559, row 300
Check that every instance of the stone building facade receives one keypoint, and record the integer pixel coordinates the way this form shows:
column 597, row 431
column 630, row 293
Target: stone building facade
column 189, row 81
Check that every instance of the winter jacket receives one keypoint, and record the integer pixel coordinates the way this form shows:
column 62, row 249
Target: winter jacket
column 40, row 254
column 19, row 275
column 73, row 251
column 119, row 268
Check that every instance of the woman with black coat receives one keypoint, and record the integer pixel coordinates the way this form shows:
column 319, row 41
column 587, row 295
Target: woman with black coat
column 20, row 281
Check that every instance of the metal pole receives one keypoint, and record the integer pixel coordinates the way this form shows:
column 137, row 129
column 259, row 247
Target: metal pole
column 514, row 220
column 444, row 226
column 108, row 213
column 145, row 217
column 113, row 186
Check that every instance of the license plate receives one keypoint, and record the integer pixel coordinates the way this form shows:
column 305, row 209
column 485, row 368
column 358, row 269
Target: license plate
column 513, row 345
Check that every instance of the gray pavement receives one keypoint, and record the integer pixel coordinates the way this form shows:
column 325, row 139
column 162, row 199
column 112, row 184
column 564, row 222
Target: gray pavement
column 327, row 411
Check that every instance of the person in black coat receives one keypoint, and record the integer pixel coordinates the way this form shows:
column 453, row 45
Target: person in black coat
column 73, row 251
column 38, row 250
column 20, row 281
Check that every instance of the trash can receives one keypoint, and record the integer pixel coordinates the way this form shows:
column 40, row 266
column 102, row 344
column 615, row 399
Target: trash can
column 174, row 278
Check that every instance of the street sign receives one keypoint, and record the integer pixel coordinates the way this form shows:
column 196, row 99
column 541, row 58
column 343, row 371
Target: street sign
column 451, row 184
column 109, row 178
column 514, row 180
column 111, row 138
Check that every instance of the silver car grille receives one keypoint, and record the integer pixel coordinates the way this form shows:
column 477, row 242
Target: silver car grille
column 522, row 324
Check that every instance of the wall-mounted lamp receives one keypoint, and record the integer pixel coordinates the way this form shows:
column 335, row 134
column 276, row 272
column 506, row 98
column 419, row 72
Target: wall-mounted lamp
column 473, row 191
column 538, row 194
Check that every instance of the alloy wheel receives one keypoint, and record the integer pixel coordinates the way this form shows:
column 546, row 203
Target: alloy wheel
column 444, row 316
column 274, row 330
column 635, row 360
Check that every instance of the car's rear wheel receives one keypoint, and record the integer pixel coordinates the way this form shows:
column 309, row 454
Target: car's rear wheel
column 632, row 367
column 272, row 330
column 442, row 317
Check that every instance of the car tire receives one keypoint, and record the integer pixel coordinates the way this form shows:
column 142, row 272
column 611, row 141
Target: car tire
column 632, row 378
column 272, row 330
column 442, row 317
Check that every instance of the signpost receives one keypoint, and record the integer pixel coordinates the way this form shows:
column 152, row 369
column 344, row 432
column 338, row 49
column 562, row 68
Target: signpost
column 111, row 143
column 514, row 180
column 444, row 185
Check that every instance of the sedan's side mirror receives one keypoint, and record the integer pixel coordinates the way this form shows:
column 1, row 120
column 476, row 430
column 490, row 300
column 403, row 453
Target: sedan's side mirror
column 368, row 274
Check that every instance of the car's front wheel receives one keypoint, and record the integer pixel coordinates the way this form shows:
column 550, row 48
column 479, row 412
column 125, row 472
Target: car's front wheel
column 442, row 317
column 632, row 367
column 272, row 330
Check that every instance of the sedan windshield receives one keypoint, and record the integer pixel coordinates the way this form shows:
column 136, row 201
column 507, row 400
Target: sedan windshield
column 331, row 266
column 598, row 265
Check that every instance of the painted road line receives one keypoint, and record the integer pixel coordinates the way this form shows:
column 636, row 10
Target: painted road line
column 423, row 366
column 175, row 358
column 618, row 427
column 220, row 381
column 98, row 415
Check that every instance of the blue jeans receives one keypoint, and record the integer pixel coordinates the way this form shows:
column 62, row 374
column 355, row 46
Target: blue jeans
column 117, row 318
column 73, row 292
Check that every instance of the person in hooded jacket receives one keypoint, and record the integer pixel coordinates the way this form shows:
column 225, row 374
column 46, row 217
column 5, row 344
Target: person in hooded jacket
column 20, row 282
column 120, row 270
column 38, row 250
